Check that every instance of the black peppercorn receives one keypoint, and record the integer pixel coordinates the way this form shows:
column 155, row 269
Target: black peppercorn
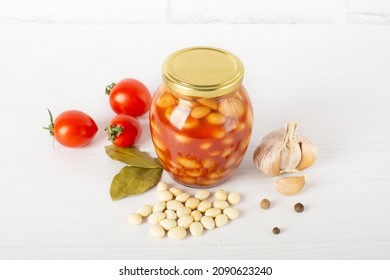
column 276, row 230
column 265, row 203
column 299, row 207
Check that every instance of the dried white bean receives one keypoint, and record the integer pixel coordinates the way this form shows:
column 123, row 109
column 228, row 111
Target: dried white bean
column 170, row 214
column 188, row 163
column 200, row 112
column 175, row 191
column 215, row 118
column 221, row 220
column 183, row 211
column 156, row 217
column 188, row 180
column 212, row 104
column 196, row 215
column 159, row 206
column 221, row 204
column 231, row 212
column 177, row 233
column 160, row 146
column 192, row 203
column 228, row 141
column 208, row 164
column 207, row 222
column 164, row 195
column 162, row 186
column 174, row 205
column 182, row 197
column 168, row 224
column 212, row 212
column 202, row 194
column 206, row 145
column 234, row 198
column 134, row 219
column 182, row 138
column 157, row 231
column 145, row 210
column 190, row 123
column 167, row 100
column 194, row 173
column 221, row 195
column 204, row 205
column 196, row 229
column 185, row 221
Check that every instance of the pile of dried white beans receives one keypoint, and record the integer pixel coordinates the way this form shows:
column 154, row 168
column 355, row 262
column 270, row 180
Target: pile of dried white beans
column 176, row 212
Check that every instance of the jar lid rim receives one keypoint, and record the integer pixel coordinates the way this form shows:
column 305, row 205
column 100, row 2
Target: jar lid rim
column 203, row 71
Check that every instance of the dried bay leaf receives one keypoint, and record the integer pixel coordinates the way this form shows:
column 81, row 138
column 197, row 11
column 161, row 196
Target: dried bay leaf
column 142, row 173
column 132, row 156
column 132, row 180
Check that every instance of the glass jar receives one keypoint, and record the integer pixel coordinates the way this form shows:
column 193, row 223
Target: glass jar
column 201, row 116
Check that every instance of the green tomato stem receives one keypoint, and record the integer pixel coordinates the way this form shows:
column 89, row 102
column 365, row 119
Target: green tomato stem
column 113, row 131
column 109, row 88
column 51, row 125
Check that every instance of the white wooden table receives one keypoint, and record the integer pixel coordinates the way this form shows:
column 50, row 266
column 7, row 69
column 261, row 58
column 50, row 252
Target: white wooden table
column 334, row 81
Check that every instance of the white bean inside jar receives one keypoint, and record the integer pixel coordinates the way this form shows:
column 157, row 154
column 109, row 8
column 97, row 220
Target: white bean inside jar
column 195, row 161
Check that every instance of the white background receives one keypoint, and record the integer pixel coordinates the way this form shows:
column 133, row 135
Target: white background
column 102, row 12
column 332, row 78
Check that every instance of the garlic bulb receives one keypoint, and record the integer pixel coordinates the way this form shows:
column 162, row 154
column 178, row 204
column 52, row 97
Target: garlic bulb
column 283, row 151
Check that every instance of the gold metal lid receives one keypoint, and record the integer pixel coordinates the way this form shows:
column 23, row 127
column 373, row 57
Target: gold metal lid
column 203, row 72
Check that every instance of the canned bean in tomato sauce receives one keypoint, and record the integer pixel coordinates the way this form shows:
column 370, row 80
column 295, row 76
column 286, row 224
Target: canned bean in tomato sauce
column 201, row 116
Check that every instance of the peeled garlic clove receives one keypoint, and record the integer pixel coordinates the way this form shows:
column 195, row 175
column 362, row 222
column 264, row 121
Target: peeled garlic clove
column 290, row 185
column 309, row 154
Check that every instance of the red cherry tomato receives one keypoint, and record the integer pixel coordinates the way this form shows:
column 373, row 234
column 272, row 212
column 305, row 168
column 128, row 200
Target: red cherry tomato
column 72, row 128
column 124, row 130
column 129, row 97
